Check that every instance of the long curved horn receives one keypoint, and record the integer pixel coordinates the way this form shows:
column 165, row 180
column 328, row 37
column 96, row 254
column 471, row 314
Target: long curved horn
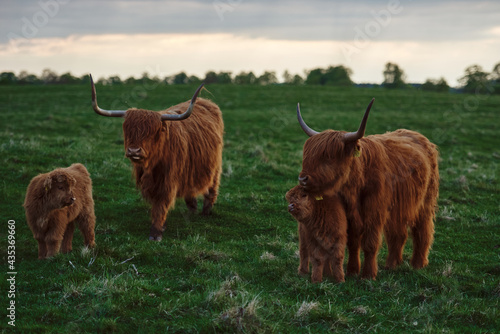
column 187, row 113
column 102, row 112
column 310, row 132
column 353, row 136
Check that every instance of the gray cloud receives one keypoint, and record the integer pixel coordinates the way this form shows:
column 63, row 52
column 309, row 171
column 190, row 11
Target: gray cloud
column 291, row 20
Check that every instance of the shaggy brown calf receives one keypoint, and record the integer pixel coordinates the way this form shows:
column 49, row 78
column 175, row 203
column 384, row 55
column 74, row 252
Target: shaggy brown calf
column 388, row 182
column 175, row 153
column 322, row 233
column 54, row 202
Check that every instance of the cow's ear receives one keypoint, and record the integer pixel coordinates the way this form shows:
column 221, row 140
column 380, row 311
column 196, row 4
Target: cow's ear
column 72, row 181
column 47, row 183
column 353, row 149
column 357, row 150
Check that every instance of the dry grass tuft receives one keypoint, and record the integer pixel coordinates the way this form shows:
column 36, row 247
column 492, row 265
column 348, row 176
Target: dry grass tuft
column 305, row 309
column 242, row 318
column 266, row 256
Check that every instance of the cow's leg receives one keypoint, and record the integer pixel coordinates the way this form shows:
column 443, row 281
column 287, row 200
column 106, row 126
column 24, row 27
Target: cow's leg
column 353, row 246
column 211, row 195
column 159, row 215
column 337, row 262
column 53, row 246
column 354, row 229
column 303, row 250
column 66, row 246
column 423, row 230
column 318, row 263
column 55, row 234
column 370, row 243
column 86, row 224
column 191, row 203
column 396, row 234
column 327, row 268
column 422, row 235
column 42, row 248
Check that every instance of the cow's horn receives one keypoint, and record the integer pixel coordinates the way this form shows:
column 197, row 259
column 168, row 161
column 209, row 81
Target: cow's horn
column 353, row 136
column 102, row 112
column 310, row 132
column 187, row 113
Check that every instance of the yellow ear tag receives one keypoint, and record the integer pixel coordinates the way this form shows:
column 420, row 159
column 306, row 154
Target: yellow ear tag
column 319, row 198
column 46, row 188
column 357, row 153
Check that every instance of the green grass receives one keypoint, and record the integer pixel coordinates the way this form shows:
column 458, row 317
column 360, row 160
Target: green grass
column 235, row 271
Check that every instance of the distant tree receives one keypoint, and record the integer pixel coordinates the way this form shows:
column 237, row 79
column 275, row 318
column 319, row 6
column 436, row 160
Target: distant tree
column 193, row 79
column 49, row 76
column 180, row 79
column 394, row 77
column 85, row 79
column 267, row 78
column 476, row 80
column 337, row 76
column 114, row 80
column 67, row 79
column 333, row 75
column 210, row 78
column 102, row 81
column 290, row 79
column 495, row 78
column 314, row 77
column 436, row 85
column 495, row 74
column 130, row 81
column 25, row 78
column 7, row 78
column 245, row 78
column 297, row 80
column 224, row 78
column 149, row 82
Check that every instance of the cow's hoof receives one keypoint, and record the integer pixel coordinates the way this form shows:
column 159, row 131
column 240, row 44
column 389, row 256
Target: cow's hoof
column 155, row 234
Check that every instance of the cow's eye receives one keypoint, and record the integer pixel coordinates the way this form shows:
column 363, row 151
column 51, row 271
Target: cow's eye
column 60, row 187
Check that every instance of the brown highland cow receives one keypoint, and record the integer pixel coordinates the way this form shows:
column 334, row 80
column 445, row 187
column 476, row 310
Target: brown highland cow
column 322, row 233
column 388, row 182
column 175, row 152
column 54, row 202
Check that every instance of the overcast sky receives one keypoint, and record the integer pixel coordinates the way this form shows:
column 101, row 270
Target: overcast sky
column 427, row 39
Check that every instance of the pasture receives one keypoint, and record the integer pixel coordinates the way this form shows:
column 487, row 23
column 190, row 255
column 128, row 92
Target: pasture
column 236, row 271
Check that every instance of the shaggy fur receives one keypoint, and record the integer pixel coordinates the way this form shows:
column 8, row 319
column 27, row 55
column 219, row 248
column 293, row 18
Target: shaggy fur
column 388, row 182
column 322, row 233
column 54, row 202
column 175, row 158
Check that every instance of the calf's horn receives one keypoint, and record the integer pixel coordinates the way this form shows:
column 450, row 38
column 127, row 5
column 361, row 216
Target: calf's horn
column 103, row 112
column 353, row 136
column 187, row 113
column 310, row 132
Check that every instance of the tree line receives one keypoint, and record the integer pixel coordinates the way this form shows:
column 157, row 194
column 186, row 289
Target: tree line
column 475, row 79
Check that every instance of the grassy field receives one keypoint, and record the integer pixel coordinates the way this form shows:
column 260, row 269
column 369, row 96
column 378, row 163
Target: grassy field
column 236, row 271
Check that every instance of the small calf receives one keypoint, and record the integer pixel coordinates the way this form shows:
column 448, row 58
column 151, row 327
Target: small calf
column 322, row 233
column 54, row 202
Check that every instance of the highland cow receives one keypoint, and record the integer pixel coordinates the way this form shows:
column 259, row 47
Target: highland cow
column 54, row 202
column 388, row 182
column 322, row 233
column 175, row 152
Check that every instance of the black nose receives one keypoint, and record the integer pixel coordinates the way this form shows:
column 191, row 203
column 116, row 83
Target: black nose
column 303, row 180
column 131, row 151
column 291, row 207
